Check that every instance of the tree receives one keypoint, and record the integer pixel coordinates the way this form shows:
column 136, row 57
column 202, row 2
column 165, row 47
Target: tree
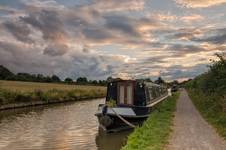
column 94, row 82
column 159, row 81
column 82, row 80
column 68, row 80
column 40, row 78
column 55, row 78
column 5, row 73
column 48, row 79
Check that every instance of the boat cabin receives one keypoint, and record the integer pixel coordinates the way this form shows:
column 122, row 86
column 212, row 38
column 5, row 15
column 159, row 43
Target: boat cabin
column 134, row 93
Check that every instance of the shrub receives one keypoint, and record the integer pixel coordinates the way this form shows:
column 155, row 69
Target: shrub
column 208, row 92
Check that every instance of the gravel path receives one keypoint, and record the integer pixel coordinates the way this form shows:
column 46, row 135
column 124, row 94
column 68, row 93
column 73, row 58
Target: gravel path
column 191, row 131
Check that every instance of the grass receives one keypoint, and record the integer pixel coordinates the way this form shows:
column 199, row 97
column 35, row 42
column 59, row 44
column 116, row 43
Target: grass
column 154, row 133
column 212, row 108
column 32, row 86
column 16, row 92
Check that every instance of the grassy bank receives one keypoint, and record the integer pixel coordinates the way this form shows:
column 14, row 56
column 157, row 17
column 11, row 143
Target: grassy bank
column 212, row 108
column 154, row 133
column 208, row 93
column 14, row 92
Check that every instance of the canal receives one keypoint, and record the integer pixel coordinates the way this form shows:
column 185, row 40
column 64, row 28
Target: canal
column 59, row 126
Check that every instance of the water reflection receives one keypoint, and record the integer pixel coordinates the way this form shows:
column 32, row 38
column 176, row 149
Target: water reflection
column 112, row 141
column 60, row 126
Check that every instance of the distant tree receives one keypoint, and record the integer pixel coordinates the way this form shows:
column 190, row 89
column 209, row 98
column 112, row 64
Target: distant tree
column 94, row 82
column 102, row 82
column 55, row 78
column 159, row 81
column 5, row 73
column 48, row 79
column 23, row 77
column 40, row 78
column 68, row 80
column 82, row 80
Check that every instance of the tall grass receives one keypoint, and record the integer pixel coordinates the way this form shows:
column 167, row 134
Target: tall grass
column 31, row 86
column 154, row 133
column 17, row 92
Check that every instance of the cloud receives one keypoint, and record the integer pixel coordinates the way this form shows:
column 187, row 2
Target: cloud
column 7, row 10
column 185, row 34
column 100, row 38
column 48, row 23
column 92, row 65
column 181, row 72
column 118, row 5
column 162, row 16
column 192, row 18
column 213, row 36
column 216, row 39
column 55, row 50
column 181, row 50
column 199, row 3
column 97, row 35
column 19, row 30
column 122, row 24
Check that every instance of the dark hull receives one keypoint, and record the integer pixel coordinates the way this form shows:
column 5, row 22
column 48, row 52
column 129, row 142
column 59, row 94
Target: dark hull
column 117, row 124
column 123, row 117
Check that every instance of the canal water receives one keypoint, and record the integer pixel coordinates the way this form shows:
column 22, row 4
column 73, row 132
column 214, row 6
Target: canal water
column 59, row 127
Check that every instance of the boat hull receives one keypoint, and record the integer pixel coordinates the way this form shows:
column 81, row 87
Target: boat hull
column 117, row 124
column 111, row 122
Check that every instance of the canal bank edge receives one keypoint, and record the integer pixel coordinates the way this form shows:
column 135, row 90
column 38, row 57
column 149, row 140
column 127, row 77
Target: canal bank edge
column 155, row 131
column 37, row 103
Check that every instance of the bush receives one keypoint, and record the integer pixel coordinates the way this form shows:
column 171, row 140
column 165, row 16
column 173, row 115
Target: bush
column 208, row 92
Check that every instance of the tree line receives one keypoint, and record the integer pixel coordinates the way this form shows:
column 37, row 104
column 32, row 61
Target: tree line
column 6, row 74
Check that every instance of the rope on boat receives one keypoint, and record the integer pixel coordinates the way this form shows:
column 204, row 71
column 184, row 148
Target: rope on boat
column 130, row 124
column 124, row 120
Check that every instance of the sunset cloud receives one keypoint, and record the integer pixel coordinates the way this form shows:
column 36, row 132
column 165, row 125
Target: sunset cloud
column 192, row 18
column 100, row 38
column 200, row 3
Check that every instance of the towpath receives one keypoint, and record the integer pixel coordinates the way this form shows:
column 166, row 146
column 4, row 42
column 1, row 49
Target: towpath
column 191, row 131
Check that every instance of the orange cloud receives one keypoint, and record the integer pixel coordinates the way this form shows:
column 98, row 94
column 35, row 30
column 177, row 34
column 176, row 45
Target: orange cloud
column 192, row 18
column 199, row 3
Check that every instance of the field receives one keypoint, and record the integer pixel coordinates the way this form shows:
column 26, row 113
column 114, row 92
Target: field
column 14, row 92
column 154, row 133
column 18, row 86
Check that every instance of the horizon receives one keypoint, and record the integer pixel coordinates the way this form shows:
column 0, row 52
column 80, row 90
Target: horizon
column 174, row 39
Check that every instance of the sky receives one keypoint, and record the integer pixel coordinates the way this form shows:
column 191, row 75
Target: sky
column 175, row 39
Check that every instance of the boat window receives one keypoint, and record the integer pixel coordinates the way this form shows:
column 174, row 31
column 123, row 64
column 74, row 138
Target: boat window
column 130, row 94
column 153, row 92
column 121, row 94
column 139, row 95
column 112, row 91
column 150, row 95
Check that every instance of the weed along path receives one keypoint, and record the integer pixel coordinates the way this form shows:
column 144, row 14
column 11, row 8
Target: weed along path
column 191, row 131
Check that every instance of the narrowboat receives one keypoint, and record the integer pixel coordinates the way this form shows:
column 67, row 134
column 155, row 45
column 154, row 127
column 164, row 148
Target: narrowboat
column 128, row 103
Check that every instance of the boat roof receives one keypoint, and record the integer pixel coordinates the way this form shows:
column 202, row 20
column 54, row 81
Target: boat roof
column 151, row 84
column 121, row 80
column 139, row 81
